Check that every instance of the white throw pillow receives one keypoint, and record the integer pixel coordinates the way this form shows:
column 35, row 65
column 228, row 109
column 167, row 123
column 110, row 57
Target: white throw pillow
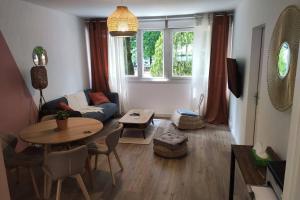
column 77, row 100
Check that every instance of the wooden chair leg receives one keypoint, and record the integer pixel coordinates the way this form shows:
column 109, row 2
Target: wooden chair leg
column 18, row 174
column 118, row 159
column 36, row 190
column 82, row 186
column 45, row 185
column 49, row 187
column 89, row 170
column 58, row 190
column 96, row 162
column 111, row 172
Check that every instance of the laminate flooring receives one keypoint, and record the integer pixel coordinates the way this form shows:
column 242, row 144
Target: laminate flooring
column 202, row 175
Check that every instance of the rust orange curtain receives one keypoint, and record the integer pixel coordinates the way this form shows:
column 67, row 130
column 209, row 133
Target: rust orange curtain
column 98, row 34
column 217, row 105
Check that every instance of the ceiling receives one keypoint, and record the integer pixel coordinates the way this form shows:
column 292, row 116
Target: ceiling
column 141, row 8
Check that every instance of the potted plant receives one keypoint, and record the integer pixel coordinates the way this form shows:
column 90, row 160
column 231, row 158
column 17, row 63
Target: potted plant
column 62, row 120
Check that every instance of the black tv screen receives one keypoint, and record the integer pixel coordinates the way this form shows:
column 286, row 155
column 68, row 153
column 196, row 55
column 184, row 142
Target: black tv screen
column 234, row 79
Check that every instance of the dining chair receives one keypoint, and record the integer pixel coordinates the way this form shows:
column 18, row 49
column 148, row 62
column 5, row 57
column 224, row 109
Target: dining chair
column 109, row 146
column 29, row 158
column 62, row 164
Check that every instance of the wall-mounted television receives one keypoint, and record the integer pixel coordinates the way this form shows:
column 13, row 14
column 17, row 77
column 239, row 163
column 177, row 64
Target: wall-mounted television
column 234, row 78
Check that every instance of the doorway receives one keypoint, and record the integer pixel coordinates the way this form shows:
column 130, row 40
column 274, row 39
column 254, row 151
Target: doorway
column 254, row 82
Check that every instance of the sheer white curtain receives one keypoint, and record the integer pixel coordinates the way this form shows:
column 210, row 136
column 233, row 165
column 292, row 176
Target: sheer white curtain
column 201, row 62
column 116, row 68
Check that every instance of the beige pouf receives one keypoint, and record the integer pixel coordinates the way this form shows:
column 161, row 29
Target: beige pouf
column 186, row 122
column 170, row 145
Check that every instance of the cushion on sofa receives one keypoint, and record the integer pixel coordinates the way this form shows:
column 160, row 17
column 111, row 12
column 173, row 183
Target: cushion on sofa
column 77, row 100
column 86, row 92
column 63, row 106
column 109, row 110
column 50, row 107
column 98, row 98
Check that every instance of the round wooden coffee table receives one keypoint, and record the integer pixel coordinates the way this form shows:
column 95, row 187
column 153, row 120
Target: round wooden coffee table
column 47, row 134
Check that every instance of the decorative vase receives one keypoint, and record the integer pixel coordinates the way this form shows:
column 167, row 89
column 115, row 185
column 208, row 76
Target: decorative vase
column 62, row 124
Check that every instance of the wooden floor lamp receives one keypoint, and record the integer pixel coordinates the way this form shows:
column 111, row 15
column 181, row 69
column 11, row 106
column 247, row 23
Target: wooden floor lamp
column 39, row 81
column 38, row 72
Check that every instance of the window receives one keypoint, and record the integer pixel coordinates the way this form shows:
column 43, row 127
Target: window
column 130, row 51
column 153, row 54
column 182, row 53
column 159, row 54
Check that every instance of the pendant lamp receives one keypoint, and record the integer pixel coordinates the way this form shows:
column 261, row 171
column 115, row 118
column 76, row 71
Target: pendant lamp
column 122, row 23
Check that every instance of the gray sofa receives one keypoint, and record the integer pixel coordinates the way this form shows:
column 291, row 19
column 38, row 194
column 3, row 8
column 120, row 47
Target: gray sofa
column 110, row 110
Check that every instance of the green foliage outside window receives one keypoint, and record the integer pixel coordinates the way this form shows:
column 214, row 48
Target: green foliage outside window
column 157, row 67
column 149, row 38
column 130, row 55
column 153, row 53
column 284, row 60
column 182, row 53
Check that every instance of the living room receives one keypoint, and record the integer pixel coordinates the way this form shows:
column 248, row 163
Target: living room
column 63, row 30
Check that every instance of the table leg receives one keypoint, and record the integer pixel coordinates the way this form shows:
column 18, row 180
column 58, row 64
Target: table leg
column 46, row 149
column 144, row 134
column 121, row 135
column 232, row 173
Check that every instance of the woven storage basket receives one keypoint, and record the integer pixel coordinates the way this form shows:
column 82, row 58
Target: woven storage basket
column 186, row 122
column 166, row 152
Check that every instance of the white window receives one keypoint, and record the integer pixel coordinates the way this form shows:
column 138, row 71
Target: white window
column 130, row 51
column 153, row 54
column 182, row 53
column 159, row 54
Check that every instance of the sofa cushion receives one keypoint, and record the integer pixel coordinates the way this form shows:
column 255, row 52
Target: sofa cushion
column 50, row 107
column 98, row 98
column 77, row 100
column 109, row 109
column 86, row 92
column 63, row 106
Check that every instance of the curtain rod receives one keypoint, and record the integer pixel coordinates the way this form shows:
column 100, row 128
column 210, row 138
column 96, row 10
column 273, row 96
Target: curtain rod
column 172, row 17
column 190, row 16
column 95, row 20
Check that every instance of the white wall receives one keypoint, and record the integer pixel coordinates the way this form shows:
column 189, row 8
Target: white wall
column 25, row 25
column 162, row 97
column 273, row 126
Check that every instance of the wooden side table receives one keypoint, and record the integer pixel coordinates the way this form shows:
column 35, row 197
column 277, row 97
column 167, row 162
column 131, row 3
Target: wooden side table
column 140, row 122
column 252, row 174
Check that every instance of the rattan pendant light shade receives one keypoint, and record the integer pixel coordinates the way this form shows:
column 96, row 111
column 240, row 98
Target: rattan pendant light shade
column 122, row 23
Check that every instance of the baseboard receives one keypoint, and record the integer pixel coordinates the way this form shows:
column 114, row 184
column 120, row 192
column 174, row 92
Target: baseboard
column 162, row 116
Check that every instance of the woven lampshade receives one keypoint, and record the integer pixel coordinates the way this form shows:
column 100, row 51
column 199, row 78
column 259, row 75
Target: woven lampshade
column 122, row 23
column 39, row 78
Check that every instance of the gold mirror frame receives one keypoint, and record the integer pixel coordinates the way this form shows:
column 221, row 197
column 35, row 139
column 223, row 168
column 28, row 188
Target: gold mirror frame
column 287, row 29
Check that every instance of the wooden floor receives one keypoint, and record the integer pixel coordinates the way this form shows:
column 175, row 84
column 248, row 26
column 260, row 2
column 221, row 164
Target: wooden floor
column 202, row 174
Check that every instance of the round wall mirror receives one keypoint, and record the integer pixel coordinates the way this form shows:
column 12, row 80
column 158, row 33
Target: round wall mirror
column 284, row 58
column 39, row 56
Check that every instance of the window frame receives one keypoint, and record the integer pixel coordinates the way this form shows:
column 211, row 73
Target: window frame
column 129, row 76
column 171, row 47
column 142, row 52
column 167, row 57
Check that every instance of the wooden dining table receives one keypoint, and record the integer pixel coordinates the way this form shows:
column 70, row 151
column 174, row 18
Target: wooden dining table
column 46, row 133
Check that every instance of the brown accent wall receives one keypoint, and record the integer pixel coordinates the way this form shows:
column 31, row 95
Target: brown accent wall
column 17, row 108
